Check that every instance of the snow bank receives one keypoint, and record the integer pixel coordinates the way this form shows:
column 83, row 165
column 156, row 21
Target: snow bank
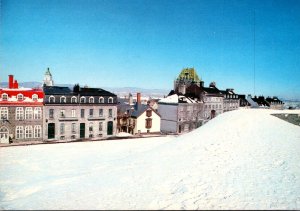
column 245, row 159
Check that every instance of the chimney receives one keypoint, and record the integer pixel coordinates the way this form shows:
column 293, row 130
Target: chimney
column 138, row 98
column 10, row 81
column 16, row 85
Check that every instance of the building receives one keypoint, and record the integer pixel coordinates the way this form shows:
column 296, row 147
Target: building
column 137, row 118
column 180, row 114
column 21, row 112
column 80, row 113
column 231, row 100
column 275, row 103
column 48, row 81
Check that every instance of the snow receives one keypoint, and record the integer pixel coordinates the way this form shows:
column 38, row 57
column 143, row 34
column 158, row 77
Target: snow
column 123, row 134
column 244, row 159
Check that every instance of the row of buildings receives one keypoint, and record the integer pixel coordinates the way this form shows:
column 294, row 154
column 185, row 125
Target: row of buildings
column 63, row 113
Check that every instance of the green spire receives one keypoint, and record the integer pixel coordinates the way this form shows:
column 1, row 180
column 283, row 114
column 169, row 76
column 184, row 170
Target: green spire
column 189, row 74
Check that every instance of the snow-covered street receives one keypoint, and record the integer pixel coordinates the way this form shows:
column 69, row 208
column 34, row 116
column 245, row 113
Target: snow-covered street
column 244, row 159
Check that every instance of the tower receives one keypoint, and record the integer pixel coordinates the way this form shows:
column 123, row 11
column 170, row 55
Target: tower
column 48, row 78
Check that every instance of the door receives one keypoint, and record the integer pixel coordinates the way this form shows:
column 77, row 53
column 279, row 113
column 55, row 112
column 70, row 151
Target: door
column 51, row 130
column 110, row 128
column 82, row 130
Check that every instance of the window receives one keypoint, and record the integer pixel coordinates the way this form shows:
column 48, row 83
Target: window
column 73, row 127
column 110, row 112
column 73, row 111
column 149, row 113
column 91, row 127
column 62, row 128
column 28, row 113
column 51, row 113
column 91, row 100
column 51, row 99
column 82, row 100
column 20, row 97
column 82, row 113
column 19, row 113
column 110, row 100
column 4, row 97
column 37, row 113
column 100, row 126
column 19, row 132
column 28, row 131
column 101, row 112
column 148, row 123
column 91, row 113
column 63, row 99
column 37, row 131
column 101, row 100
column 62, row 113
column 34, row 97
column 73, row 99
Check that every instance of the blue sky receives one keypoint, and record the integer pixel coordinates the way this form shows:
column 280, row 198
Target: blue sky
column 146, row 43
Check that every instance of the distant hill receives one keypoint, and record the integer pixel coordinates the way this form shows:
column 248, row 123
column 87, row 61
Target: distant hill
column 120, row 91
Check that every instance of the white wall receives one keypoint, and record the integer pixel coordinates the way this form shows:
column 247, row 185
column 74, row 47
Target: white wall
column 169, row 117
column 141, row 123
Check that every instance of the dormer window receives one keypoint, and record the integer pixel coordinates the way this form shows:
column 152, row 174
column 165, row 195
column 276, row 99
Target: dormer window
column 91, row 100
column 101, row 100
column 110, row 100
column 34, row 97
column 63, row 99
column 20, row 97
column 74, row 99
column 4, row 97
column 51, row 99
column 82, row 100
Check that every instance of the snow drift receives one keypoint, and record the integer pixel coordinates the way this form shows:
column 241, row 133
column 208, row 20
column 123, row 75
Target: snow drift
column 245, row 159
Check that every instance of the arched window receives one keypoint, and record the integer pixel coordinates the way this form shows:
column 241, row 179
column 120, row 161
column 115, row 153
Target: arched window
column 28, row 131
column 34, row 97
column 101, row 100
column 74, row 99
column 91, row 100
column 82, row 100
column 37, row 113
column 19, row 113
column 4, row 97
column 28, row 113
column 110, row 100
column 63, row 99
column 20, row 97
column 19, row 132
column 51, row 99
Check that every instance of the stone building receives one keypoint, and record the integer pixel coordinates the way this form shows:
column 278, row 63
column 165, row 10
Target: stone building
column 180, row 114
column 80, row 113
column 21, row 112
column 275, row 103
column 231, row 100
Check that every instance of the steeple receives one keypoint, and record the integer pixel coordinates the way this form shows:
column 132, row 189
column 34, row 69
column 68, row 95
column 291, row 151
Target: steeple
column 48, row 78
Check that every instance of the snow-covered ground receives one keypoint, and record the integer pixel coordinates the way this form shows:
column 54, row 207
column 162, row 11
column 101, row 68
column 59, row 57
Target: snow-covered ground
column 245, row 159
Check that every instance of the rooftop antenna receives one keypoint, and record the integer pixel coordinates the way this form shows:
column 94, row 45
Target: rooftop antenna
column 254, row 50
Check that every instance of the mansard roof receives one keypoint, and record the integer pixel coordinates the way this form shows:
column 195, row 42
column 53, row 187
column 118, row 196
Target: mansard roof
column 95, row 92
column 212, row 90
column 57, row 90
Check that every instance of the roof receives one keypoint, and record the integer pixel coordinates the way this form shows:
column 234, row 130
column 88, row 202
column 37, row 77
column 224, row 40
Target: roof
column 211, row 90
column 175, row 99
column 57, row 90
column 189, row 74
column 95, row 91
column 261, row 101
column 139, row 109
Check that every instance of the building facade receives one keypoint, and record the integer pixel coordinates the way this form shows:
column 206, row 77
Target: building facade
column 81, row 113
column 231, row 100
column 21, row 113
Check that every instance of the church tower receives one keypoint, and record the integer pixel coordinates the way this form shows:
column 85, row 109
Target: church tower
column 48, row 78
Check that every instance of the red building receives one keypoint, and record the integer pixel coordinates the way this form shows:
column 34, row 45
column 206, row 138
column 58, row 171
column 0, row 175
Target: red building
column 21, row 113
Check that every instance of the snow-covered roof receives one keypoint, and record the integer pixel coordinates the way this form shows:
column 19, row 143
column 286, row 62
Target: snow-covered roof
column 175, row 99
